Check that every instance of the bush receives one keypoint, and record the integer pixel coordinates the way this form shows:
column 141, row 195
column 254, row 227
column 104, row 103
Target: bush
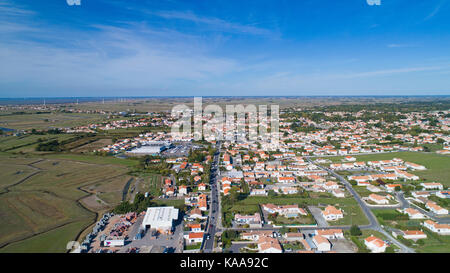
column 355, row 231
column 141, row 203
column 392, row 216
column 404, row 241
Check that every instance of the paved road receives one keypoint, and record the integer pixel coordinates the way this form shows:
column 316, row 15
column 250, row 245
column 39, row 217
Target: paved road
column 372, row 219
column 214, row 211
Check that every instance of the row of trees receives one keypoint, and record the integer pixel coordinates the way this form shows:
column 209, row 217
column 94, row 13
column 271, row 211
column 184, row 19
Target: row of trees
column 53, row 146
column 140, row 204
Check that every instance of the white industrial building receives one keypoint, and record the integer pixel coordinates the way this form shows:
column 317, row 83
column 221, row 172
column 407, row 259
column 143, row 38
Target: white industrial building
column 112, row 242
column 151, row 148
column 160, row 218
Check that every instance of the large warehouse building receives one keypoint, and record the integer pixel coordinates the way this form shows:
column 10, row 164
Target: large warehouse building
column 151, row 148
column 160, row 218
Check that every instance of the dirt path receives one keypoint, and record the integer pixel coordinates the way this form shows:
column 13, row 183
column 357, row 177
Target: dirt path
column 37, row 170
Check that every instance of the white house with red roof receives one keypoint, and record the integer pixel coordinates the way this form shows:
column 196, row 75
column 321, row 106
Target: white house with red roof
column 322, row 243
column 375, row 244
column 330, row 213
column 269, row 245
column 441, row 229
column 194, row 237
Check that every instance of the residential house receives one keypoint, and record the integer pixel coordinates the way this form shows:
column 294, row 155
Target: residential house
column 441, row 229
column 182, row 190
column 422, row 194
column 378, row 199
column 260, row 192
column 413, row 213
column 321, row 243
column 338, row 193
column 194, row 237
column 332, row 214
column 435, row 208
column 414, row 234
column 256, row 235
column 330, row 233
column 443, row 194
column 286, row 210
column 375, row 244
column 252, row 220
column 202, row 187
column 293, row 236
column 432, row 186
column 269, row 245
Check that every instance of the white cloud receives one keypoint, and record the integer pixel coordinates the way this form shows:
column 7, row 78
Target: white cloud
column 390, row 71
column 400, row 45
column 7, row 8
column 215, row 23
column 435, row 11
column 112, row 57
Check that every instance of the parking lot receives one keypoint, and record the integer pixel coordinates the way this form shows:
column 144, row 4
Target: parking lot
column 180, row 149
column 173, row 242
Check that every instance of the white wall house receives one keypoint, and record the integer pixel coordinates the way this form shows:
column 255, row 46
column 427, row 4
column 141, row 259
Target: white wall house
column 376, row 245
column 321, row 243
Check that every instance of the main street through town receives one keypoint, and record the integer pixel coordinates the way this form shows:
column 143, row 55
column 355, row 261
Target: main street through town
column 214, row 211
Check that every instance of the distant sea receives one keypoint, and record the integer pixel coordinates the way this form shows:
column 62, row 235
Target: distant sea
column 56, row 100
column 23, row 101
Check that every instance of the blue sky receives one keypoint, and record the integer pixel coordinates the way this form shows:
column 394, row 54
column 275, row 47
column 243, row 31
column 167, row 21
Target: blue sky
column 206, row 47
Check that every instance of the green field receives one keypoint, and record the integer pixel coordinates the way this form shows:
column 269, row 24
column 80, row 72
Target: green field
column 151, row 183
column 95, row 159
column 48, row 120
column 179, row 203
column 53, row 241
column 47, row 197
column 352, row 212
column 28, row 143
column 437, row 165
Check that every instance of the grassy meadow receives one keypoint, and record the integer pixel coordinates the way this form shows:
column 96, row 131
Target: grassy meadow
column 49, row 197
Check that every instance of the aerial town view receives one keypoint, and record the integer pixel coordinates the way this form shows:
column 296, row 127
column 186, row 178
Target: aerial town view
column 206, row 128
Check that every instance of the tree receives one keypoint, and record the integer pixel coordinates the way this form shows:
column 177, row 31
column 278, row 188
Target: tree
column 272, row 193
column 355, row 231
column 284, row 230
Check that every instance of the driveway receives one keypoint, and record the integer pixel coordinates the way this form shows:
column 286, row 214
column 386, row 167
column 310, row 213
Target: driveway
column 236, row 246
column 317, row 213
